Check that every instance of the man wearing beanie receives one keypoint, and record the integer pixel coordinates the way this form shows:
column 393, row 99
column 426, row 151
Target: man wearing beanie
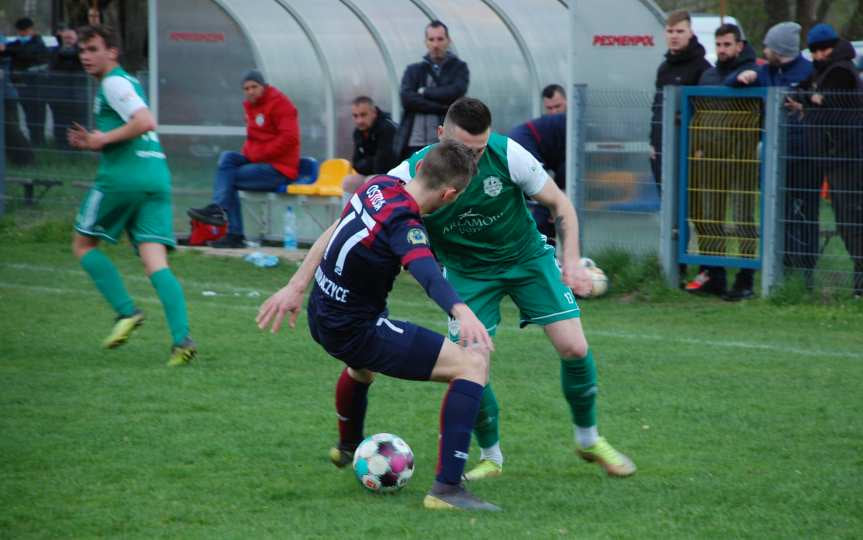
column 833, row 108
column 786, row 67
column 270, row 157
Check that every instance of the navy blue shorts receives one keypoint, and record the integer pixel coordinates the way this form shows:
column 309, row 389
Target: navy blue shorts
column 396, row 348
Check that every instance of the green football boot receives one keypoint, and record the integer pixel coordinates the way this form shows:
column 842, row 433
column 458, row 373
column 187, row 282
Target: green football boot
column 123, row 328
column 604, row 455
column 485, row 469
column 183, row 353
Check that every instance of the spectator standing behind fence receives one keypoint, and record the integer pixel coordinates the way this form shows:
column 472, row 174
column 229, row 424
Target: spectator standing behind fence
column 683, row 65
column 833, row 111
column 428, row 88
column 29, row 58
column 553, row 99
column 737, row 176
column 68, row 98
column 374, row 131
column 270, row 156
column 545, row 139
column 787, row 68
column 18, row 149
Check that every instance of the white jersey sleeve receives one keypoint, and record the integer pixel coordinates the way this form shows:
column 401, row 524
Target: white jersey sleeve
column 402, row 171
column 524, row 169
column 121, row 96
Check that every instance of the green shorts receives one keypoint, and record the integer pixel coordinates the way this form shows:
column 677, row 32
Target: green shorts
column 147, row 216
column 534, row 285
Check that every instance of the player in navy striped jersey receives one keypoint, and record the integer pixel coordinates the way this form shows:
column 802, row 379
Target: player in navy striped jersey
column 380, row 231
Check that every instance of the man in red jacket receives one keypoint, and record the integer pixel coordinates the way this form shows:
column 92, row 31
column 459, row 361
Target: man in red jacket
column 270, row 156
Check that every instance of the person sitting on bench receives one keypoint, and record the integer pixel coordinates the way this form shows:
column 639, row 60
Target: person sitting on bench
column 270, row 157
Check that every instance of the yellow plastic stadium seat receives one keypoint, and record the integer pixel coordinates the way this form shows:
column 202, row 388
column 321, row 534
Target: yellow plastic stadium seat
column 332, row 172
column 329, row 182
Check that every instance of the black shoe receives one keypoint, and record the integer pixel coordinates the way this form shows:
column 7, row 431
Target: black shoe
column 229, row 241
column 738, row 293
column 212, row 214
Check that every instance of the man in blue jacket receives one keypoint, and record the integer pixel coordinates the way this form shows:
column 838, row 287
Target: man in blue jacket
column 786, row 67
column 428, row 89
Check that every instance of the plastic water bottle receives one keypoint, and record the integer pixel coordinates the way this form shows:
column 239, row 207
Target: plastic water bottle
column 262, row 260
column 290, row 231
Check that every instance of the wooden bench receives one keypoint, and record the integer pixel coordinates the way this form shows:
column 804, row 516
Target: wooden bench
column 31, row 185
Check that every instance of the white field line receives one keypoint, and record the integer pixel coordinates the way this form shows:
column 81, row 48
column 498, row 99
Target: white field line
column 221, row 289
column 441, row 324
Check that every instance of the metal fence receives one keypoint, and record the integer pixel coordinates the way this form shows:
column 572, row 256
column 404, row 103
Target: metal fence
column 823, row 190
column 749, row 183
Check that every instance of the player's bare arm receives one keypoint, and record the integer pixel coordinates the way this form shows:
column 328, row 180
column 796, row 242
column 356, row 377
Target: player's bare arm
column 566, row 222
column 289, row 299
column 141, row 122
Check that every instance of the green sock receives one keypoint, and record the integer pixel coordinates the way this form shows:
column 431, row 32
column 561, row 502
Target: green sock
column 171, row 294
column 107, row 279
column 487, row 427
column 578, row 380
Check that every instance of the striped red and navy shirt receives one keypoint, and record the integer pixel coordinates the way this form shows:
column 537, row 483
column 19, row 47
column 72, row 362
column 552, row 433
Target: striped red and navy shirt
column 380, row 231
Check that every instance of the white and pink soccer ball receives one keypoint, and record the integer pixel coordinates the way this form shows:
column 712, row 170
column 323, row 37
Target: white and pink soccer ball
column 383, row 463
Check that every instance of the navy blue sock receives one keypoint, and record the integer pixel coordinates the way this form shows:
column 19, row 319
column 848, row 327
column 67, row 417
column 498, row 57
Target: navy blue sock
column 457, row 417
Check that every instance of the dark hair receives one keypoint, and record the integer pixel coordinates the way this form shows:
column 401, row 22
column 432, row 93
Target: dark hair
column 24, row 23
column 729, row 28
column 678, row 17
column 470, row 114
column 438, row 24
column 112, row 40
column 549, row 91
column 448, row 164
column 360, row 100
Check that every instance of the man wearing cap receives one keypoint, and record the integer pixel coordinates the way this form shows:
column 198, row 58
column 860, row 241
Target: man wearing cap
column 786, row 67
column 28, row 58
column 270, row 156
column 833, row 109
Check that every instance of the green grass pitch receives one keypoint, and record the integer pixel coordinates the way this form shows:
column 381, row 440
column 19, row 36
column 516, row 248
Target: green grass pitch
column 744, row 419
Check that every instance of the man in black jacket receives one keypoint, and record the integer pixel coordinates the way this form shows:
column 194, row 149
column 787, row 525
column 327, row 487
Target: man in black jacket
column 730, row 160
column 684, row 63
column 29, row 57
column 373, row 143
column 428, row 89
column 834, row 112
column 68, row 86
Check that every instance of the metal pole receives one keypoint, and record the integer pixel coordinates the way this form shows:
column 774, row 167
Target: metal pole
column 772, row 225
column 668, row 232
column 575, row 182
column 153, row 55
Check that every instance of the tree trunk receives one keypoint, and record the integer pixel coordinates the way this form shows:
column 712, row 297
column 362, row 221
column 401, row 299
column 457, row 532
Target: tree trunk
column 823, row 8
column 777, row 11
column 854, row 28
column 805, row 15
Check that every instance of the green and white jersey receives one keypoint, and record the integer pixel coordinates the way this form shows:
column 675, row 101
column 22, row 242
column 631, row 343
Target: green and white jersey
column 137, row 164
column 489, row 226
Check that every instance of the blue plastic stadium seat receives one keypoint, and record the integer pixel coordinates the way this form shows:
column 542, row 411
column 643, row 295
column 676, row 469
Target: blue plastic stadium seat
column 307, row 174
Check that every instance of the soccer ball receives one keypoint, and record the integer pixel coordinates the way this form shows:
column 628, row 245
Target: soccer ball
column 598, row 277
column 383, row 463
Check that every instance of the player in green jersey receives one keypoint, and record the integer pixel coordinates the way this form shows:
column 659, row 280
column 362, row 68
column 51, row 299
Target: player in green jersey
column 490, row 247
column 132, row 193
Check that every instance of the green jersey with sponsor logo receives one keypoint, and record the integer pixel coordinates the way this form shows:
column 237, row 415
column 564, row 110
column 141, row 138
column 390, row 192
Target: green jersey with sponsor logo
column 136, row 164
column 488, row 227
